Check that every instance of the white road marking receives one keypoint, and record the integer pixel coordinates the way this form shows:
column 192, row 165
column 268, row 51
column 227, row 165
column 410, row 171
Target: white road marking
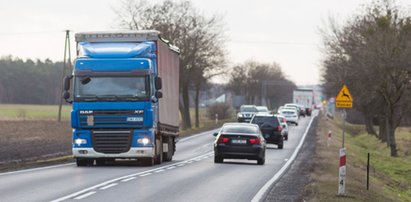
column 122, row 178
column 179, row 165
column 172, row 167
column 159, row 171
column 277, row 176
column 128, row 179
column 108, row 186
column 285, row 159
column 85, row 195
column 147, row 174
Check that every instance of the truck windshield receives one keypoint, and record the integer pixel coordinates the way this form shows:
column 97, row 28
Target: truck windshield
column 111, row 88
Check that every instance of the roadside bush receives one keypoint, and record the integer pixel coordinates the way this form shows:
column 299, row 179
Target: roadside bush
column 223, row 110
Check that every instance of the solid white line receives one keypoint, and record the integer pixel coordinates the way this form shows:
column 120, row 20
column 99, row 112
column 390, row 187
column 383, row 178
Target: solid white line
column 277, row 176
column 85, row 195
column 119, row 179
column 128, row 179
column 36, row 169
column 108, row 186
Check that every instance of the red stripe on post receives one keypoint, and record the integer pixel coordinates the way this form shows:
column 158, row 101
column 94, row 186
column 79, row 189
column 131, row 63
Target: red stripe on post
column 342, row 161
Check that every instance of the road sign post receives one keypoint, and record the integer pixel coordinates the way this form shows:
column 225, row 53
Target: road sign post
column 343, row 100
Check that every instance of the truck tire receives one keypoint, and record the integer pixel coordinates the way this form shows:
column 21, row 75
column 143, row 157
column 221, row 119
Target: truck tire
column 158, row 157
column 147, row 161
column 84, row 162
column 281, row 145
column 168, row 156
column 100, row 162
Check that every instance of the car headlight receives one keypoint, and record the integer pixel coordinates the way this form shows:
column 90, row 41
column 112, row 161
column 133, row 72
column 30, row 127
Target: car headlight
column 80, row 141
column 239, row 115
column 143, row 141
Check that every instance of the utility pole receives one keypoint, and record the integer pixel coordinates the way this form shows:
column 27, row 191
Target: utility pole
column 66, row 64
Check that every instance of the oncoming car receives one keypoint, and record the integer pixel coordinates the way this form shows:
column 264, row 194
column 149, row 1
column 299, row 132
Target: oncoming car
column 246, row 113
column 239, row 141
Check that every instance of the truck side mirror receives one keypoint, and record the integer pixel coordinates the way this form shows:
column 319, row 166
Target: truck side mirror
column 159, row 94
column 66, row 96
column 67, row 83
column 158, row 83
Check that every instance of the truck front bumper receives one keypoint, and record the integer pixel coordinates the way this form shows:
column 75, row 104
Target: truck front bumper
column 142, row 152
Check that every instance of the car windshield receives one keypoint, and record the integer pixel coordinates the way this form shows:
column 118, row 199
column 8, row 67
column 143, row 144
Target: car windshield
column 239, row 129
column 262, row 109
column 92, row 88
column 260, row 120
column 288, row 112
column 248, row 109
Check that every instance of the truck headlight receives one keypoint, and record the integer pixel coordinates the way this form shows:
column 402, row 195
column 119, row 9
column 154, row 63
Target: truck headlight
column 80, row 141
column 144, row 141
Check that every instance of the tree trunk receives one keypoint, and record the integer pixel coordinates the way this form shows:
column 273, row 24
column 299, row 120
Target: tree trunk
column 196, row 102
column 370, row 126
column 391, row 131
column 185, row 108
column 382, row 133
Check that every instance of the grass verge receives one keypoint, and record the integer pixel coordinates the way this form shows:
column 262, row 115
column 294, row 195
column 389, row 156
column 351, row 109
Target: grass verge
column 390, row 178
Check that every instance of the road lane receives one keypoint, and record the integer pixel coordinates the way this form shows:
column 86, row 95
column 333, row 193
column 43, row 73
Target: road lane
column 192, row 175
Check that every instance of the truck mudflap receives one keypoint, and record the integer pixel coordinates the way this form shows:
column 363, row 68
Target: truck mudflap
column 134, row 152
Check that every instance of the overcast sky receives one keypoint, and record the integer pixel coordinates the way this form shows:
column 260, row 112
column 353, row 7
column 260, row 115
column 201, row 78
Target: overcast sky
column 282, row 31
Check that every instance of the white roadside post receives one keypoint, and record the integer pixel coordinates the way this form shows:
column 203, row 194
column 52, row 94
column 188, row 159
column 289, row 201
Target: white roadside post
column 342, row 172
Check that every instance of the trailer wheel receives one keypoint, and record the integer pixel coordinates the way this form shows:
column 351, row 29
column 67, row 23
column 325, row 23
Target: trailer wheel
column 158, row 157
column 168, row 156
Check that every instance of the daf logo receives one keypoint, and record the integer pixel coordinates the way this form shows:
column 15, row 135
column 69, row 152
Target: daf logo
column 86, row 111
column 138, row 111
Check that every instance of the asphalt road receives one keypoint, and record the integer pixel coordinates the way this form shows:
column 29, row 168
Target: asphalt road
column 191, row 176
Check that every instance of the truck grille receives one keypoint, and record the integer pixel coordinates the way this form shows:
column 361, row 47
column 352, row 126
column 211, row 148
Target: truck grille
column 111, row 118
column 111, row 142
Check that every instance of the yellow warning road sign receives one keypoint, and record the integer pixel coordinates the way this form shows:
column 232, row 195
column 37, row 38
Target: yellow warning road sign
column 344, row 98
column 344, row 95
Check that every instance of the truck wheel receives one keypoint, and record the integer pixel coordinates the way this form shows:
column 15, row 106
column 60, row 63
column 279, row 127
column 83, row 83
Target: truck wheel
column 147, row 161
column 100, row 162
column 168, row 156
column 84, row 162
column 158, row 158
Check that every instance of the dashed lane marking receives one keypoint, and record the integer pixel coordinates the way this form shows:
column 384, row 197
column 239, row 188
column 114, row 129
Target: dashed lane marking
column 128, row 179
column 85, row 195
column 108, row 186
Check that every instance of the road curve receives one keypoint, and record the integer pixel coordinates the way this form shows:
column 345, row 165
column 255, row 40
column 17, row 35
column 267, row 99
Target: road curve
column 191, row 176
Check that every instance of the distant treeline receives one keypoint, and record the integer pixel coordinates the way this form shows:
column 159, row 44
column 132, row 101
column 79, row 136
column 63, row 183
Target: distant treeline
column 29, row 82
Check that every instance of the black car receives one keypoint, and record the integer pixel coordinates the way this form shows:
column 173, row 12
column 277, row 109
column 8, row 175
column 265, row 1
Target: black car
column 239, row 141
column 271, row 128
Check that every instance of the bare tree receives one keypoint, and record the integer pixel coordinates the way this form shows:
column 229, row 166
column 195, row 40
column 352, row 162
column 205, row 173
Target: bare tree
column 200, row 39
column 260, row 81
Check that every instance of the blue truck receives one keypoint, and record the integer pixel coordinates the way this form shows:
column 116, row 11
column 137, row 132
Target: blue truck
column 124, row 91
